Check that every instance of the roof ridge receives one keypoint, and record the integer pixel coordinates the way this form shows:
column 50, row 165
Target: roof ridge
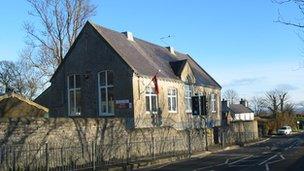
column 137, row 38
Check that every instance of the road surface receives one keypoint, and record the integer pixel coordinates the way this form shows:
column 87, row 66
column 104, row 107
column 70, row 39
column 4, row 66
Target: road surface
column 278, row 153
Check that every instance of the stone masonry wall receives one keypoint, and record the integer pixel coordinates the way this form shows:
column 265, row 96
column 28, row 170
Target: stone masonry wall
column 78, row 140
column 241, row 132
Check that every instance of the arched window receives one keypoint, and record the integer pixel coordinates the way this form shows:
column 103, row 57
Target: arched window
column 74, row 95
column 188, row 94
column 106, row 93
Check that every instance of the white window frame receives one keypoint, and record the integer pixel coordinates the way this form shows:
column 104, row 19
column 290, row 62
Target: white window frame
column 74, row 89
column 213, row 102
column 188, row 97
column 106, row 87
column 150, row 93
column 172, row 93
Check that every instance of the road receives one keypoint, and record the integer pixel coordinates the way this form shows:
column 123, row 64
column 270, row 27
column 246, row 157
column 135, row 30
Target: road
column 278, row 153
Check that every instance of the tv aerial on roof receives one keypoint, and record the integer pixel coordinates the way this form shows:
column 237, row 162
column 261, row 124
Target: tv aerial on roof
column 166, row 37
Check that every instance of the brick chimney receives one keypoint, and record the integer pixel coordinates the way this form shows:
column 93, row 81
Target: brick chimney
column 171, row 49
column 129, row 35
column 225, row 103
column 244, row 102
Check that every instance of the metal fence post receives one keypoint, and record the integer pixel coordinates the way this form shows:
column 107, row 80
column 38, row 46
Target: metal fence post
column 206, row 137
column 14, row 159
column 189, row 144
column 47, row 156
column 223, row 139
column 93, row 155
column 61, row 157
column 127, row 150
column 174, row 148
column 153, row 146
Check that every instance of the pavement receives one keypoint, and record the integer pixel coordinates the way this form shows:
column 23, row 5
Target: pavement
column 276, row 153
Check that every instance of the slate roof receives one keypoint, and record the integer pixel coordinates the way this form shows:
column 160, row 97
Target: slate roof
column 177, row 66
column 239, row 108
column 147, row 59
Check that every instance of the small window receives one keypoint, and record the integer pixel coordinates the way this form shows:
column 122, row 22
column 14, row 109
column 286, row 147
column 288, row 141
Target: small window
column 172, row 100
column 74, row 95
column 151, row 100
column 213, row 103
column 106, row 93
column 188, row 102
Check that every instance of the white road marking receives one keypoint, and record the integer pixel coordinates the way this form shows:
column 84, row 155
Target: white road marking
column 267, row 164
column 241, row 159
column 274, row 156
column 267, row 167
column 241, row 165
column 206, row 167
column 227, row 161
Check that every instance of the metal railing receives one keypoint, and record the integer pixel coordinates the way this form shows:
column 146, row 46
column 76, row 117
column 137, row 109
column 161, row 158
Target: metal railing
column 97, row 156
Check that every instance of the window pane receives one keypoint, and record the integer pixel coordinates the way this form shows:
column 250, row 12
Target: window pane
column 154, row 109
column 103, row 103
column 173, row 104
column 78, row 102
column 188, row 104
column 147, row 103
column 110, row 100
column 71, row 81
column 102, row 79
column 110, row 77
column 78, row 81
column 169, row 104
column 71, row 100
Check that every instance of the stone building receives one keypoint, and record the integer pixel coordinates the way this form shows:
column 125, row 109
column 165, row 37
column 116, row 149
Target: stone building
column 236, row 112
column 110, row 74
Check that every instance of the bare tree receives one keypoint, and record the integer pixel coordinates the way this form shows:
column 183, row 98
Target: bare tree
column 258, row 104
column 299, row 4
column 231, row 95
column 56, row 26
column 8, row 72
column 14, row 76
column 278, row 101
column 296, row 23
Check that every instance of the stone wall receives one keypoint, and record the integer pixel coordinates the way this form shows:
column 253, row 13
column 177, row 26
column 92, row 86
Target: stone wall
column 240, row 132
column 79, row 140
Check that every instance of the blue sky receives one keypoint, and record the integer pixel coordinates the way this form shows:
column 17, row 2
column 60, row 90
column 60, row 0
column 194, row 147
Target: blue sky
column 236, row 41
